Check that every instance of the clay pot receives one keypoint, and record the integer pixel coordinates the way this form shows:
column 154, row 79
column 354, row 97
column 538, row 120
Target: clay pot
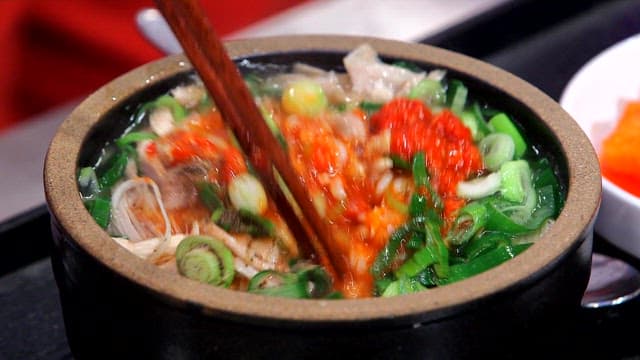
column 118, row 306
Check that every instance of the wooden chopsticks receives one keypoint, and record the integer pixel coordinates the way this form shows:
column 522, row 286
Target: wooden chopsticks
column 225, row 84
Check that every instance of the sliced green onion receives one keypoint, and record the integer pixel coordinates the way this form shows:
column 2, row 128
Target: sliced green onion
column 441, row 267
column 416, row 241
column 521, row 213
column 421, row 178
column 216, row 215
column 208, row 194
column 306, row 282
column 499, row 220
column 536, row 234
column 284, row 285
column 403, row 286
column 417, row 205
column 545, row 208
column 429, row 91
column 246, row 192
column 428, row 277
column 496, row 149
column 320, row 284
column 115, row 168
column 304, row 97
column 388, row 254
column 419, row 169
column 484, row 262
column 370, row 107
column 480, row 187
column 543, row 175
column 471, row 219
column 100, row 210
column 502, row 124
column 515, row 180
column 177, row 110
column 407, row 65
column 457, row 96
column 135, row 136
column 484, row 242
column 483, row 126
column 271, row 123
column 259, row 225
column 399, row 162
column 254, row 84
column 88, row 182
column 469, row 120
column 422, row 258
column 205, row 259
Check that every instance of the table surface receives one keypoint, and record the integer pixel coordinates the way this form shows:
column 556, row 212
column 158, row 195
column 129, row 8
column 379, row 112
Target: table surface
column 29, row 304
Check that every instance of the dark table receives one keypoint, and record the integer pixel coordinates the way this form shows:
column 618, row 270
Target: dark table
column 543, row 42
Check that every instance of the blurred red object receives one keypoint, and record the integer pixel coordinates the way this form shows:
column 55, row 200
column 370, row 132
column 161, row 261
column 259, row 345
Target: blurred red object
column 53, row 51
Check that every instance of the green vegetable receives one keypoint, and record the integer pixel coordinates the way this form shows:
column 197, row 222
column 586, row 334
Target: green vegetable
column 208, row 194
column 246, row 192
column 515, row 180
column 304, row 97
column 484, row 262
column 429, row 91
column 502, row 124
column 177, row 110
column 416, row 241
column 496, row 149
column 287, row 285
column 419, row 169
column 471, row 219
column 388, row 254
column 399, row 162
column 469, row 120
column 88, row 182
column 499, row 220
column 240, row 220
column 254, row 84
column 115, row 167
column 205, row 259
column 134, row 137
column 484, row 242
column 457, row 96
column 543, row 175
column 258, row 226
column 433, row 239
column 418, row 205
column 403, row 286
column 418, row 262
column 271, row 123
column 370, row 107
column 407, row 65
column 480, row 187
column 303, row 282
column 100, row 210
column 483, row 127
column 421, row 178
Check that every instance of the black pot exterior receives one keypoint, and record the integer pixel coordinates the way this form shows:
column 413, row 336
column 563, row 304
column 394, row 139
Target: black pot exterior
column 108, row 316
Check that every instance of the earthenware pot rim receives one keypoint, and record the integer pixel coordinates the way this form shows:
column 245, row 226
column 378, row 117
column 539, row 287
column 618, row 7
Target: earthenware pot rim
column 571, row 227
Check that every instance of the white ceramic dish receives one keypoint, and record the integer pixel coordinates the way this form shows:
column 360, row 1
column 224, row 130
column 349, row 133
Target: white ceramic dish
column 594, row 97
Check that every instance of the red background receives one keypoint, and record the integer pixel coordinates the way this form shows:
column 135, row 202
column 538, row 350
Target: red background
column 53, row 51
